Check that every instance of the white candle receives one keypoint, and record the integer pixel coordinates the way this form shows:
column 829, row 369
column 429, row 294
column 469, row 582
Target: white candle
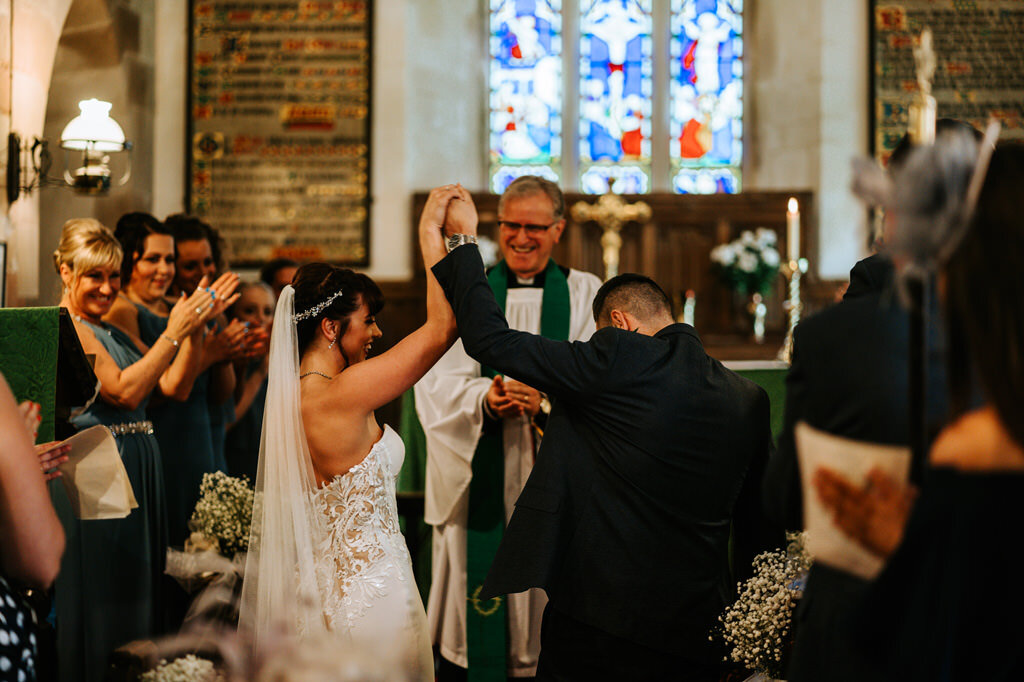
column 793, row 229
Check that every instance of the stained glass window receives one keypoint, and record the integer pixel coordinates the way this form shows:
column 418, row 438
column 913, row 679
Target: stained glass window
column 706, row 109
column 525, row 90
column 615, row 96
column 698, row 136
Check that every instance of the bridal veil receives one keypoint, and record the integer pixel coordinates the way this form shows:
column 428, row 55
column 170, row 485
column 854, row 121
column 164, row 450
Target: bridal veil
column 279, row 590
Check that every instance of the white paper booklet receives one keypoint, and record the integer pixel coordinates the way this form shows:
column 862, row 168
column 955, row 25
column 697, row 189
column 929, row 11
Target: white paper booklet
column 95, row 478
column 853, row 460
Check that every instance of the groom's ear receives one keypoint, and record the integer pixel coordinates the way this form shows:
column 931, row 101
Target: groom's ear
column 622, row 320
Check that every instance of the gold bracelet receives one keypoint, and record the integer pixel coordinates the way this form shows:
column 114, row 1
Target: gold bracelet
column 174, row 342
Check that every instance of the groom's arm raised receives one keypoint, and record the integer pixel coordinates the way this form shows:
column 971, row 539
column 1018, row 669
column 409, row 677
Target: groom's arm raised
column 556, row 367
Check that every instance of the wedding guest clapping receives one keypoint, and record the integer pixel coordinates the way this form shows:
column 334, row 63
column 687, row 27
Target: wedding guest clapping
column 108, row 591
column 147, row 271
column 255, row 308
column 184, row 429
column 201, row 253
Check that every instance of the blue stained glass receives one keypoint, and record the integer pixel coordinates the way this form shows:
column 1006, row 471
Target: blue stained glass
column 706, row 181
column 615, row 95
column 525, row 89
column 622, row 179
column 706, row 112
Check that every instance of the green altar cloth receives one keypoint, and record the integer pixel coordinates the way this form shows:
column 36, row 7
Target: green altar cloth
column 29, row 338
column 771, row 376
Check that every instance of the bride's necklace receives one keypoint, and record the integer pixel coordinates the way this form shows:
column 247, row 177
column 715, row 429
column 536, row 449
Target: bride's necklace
column 303, row 376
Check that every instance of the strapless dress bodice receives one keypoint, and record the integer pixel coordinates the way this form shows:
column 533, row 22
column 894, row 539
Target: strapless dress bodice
column 361, row 552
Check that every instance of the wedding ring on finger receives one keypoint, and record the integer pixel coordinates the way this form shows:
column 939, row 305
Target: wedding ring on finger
column 199, row 310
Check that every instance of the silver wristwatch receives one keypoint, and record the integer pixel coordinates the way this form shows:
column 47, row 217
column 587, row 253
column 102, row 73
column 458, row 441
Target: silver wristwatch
column 454, row 241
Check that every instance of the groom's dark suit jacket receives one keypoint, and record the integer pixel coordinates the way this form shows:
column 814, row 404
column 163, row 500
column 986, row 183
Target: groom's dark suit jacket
column 651, row 452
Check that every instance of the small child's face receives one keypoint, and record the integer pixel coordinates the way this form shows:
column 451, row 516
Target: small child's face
column 256, row 306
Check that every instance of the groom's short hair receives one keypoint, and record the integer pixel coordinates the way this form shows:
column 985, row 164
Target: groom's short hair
column 632, row 293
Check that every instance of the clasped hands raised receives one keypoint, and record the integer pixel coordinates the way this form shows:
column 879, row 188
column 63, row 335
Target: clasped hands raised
column 449, row 210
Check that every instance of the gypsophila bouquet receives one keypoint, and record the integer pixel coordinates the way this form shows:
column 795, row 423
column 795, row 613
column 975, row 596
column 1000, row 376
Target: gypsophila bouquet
column 749, row 264
column 757, row 628
column 185, row 669
column 223, row 514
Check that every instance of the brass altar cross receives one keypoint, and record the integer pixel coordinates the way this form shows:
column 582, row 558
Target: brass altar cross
column 611, row 213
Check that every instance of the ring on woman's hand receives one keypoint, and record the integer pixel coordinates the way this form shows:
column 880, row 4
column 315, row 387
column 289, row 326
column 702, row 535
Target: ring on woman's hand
column 199, row 310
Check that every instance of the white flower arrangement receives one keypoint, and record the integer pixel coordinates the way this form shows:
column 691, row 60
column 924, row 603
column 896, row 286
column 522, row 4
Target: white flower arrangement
column 189, row 668
column 751, row 263
column 223, row 514
column 757, row 628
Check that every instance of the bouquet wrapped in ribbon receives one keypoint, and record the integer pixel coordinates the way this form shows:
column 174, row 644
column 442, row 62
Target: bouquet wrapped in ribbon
column 220, row 533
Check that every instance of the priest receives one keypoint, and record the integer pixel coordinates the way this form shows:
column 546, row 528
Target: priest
column 483, row 431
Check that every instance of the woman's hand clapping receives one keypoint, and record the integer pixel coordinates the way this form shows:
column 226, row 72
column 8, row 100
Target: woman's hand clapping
column 190, row 313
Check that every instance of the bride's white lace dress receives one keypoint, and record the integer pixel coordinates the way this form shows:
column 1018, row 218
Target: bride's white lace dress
column 327, row 565
column 363, row 567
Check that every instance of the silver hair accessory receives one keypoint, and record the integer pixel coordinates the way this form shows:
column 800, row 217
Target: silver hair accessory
column 317, row 309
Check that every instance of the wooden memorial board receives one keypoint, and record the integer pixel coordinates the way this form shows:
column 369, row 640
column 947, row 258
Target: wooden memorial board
column 980, row 64
column 279, row 127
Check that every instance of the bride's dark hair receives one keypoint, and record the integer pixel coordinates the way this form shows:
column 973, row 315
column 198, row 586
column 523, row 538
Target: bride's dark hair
column 314, row 283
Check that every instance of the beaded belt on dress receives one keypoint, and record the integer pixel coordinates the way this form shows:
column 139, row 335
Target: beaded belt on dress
column 132, row 427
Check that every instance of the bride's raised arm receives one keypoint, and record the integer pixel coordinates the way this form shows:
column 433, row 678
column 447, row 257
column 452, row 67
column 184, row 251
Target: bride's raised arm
column 381, row 379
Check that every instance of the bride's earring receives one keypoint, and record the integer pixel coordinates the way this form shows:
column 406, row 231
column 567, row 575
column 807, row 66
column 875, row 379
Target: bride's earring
column 332, row 343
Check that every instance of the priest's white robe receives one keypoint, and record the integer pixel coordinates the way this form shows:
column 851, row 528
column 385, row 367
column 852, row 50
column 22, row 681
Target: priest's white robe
column 449, row 403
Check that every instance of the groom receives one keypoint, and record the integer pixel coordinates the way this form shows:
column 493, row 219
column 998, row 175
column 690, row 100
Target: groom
column 652, row 452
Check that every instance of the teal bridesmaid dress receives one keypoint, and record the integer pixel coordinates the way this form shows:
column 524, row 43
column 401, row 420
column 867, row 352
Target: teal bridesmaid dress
column 110, row 589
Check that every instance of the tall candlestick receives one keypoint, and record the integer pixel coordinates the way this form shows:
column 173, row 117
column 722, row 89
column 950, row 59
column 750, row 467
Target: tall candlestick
column 793, row 229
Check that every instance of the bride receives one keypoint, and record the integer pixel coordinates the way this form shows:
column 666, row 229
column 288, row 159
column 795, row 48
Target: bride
column 326, row 556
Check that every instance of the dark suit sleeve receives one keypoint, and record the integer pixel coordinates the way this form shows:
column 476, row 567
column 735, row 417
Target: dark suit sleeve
column 753, row 531
column 561, row 368
column 783, row 498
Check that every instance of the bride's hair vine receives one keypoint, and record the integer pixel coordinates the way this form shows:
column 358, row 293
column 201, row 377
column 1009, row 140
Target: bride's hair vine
column 317, row 309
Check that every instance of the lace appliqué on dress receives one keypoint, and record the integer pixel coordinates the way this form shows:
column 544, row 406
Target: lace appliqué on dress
column 362, row 551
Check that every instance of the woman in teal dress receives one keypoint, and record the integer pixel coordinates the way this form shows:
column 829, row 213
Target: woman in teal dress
column 181, row 421
column 109, row 588
column 199, row 418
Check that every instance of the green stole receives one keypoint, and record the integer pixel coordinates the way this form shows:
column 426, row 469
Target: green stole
column 487, row 622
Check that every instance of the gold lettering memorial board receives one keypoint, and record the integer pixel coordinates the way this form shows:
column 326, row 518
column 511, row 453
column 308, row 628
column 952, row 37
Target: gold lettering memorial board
column 279, row 127
column 979, row 58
